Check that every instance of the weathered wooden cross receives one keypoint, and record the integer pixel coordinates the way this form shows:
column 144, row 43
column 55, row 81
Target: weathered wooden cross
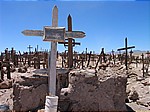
column 30, row 47
column 70, row 43
column 131, row 52
column 148, row 54
column 126, row 51
column 113, row 55
column 54, row 34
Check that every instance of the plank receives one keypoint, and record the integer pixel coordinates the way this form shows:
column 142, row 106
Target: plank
column 53, row 54
column 68, row 34
column 33, row 32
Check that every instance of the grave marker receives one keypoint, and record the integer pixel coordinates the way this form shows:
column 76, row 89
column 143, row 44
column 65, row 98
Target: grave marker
column 126, row 52
column 71, row 43
column 131, row 52
column 54, row 34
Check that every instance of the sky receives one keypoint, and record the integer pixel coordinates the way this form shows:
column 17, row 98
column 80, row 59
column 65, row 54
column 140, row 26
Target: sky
column 106, row 23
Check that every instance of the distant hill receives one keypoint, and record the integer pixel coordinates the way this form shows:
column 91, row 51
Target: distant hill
column 135, row 52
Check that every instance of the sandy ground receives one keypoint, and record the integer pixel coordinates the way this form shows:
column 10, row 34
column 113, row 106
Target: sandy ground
column 135, row 81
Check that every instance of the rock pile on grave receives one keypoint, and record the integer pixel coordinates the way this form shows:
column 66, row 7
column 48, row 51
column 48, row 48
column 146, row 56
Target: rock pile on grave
column 6, row 84
column 88, row 90
column 22, row 69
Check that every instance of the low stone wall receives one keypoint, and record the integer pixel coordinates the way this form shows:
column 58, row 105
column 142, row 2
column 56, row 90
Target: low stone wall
column 91, row 91
column 30, row 93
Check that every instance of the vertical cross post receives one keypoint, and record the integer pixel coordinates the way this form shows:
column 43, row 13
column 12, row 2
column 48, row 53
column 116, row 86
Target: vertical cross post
column 143, row 63
column 126, row 57
column 86, row 54
column 70, row 48
column 52, row 59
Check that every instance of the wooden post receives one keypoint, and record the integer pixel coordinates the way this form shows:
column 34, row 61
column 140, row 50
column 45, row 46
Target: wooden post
column 131, row 56
column 70, row 48
column 113, row 56
column 1, row 71
column 8, row 69
column 86, row 54
column 143, row 63
column 52, row 66
column 89, row 58
column 6, row 54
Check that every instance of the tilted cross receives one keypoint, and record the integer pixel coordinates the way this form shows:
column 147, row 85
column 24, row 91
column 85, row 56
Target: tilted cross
column 126, row 52
column 54, row 34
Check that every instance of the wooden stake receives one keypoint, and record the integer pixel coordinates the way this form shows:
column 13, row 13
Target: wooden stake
column 70, row 48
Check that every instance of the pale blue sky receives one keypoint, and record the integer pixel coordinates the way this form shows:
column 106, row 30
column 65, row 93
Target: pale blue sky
column 106, row 24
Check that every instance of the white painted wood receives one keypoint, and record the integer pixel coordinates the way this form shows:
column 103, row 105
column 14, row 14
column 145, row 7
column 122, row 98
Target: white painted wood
column 72, row 34
column 53, row 54
column 51, row 103
column 33, row 32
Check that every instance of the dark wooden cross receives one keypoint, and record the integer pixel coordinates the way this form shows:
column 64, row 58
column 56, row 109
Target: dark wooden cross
column 70, row 43
column 113, row 55
column 126, row 52
column 30, row 47
column 131, row 52
column 148, row 54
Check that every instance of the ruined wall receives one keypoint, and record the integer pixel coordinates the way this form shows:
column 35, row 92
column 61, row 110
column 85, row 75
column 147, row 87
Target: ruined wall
column 103, row 91
column 29, row 93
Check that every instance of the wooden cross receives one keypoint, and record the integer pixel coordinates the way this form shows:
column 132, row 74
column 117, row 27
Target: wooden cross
column 131, row 52
column 126, row 52
column 148, row 54
column 54, row 34
column 30, row 47
column 70, row 43
column 113, row 55
column 101, row 56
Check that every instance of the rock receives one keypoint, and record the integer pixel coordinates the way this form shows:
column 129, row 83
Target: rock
column 4, row 108
column 143, row 102
column 146, row 83
column 6, row 84
column 22, row 69
column 133, row 95
column 29, row 97
column 139, row 78
column 87, row 92
column 12, row 69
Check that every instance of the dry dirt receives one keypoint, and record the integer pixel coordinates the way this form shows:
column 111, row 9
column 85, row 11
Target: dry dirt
column 138, row 89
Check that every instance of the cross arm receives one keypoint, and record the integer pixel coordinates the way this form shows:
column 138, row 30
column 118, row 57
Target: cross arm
column 125, row 48
column 68, row 34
